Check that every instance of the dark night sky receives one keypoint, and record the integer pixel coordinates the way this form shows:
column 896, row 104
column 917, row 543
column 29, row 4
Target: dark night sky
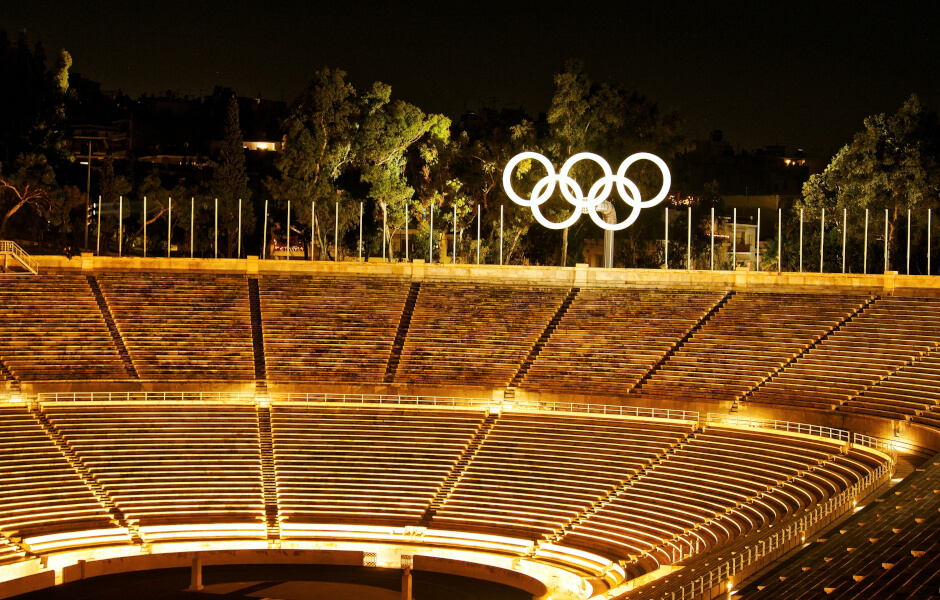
column 795, row 73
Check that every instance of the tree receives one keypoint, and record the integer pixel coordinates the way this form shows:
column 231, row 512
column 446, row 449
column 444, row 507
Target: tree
column 32, row 129
column 230, row 181
column 32, row 184
column 893, row 163
column 608, row 120
column 388, row 129
column 318, row 147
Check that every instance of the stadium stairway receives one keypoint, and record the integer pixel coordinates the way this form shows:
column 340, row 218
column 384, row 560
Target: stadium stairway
column 268, row 475
column 257, row 336
column 459, row 468
column 543, row 339
column 87, row 477
column 760, row 386
column 394, row 358
column 682, row 341
column 5, row 375
column 113, row 328
column 908, row 392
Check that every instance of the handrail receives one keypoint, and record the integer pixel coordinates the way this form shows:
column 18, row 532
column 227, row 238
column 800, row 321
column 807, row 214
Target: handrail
column 326, row 397
column 380, row 399
column 613, row 409
column 144, row 397
column 859, row 439
column 776, row 540
column 8, row 247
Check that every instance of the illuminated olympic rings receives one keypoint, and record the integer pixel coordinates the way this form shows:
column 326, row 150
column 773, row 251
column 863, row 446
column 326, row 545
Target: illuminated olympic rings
column 598, row 193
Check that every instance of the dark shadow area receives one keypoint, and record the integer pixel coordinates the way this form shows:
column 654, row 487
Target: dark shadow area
column 172, row 584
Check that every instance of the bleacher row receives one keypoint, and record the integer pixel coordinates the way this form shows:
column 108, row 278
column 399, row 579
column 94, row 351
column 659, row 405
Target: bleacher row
column 623, row 487
column 858, row 354
column 889, row 550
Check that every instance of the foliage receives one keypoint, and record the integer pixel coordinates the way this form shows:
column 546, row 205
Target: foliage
column 388, row 128
column 320, row 132
column 893, row 163
column 32, row 184
column 229, row 184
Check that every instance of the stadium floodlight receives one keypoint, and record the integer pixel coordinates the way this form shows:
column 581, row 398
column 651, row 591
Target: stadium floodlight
column 597, row 194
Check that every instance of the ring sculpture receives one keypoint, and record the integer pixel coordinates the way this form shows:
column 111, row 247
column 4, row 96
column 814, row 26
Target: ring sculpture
column 598, row 193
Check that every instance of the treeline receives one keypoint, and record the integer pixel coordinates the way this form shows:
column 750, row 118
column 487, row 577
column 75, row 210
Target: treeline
column 347, row 150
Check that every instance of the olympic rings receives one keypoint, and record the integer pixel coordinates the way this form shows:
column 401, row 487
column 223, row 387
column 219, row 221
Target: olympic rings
column 598, row 193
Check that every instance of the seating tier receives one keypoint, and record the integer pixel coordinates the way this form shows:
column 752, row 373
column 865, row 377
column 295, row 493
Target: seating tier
column 52, row 329
column 609, row 338
column 890, row 549
column 906, row 394
column 882, row 338
column 167, row 464
column 330, row 329
column 749, row 337
column 372, row 466
column 474, row 334
column 9, row 552
column 183, row 326
column 41, row 492
column 534, row 473
column 715, row 487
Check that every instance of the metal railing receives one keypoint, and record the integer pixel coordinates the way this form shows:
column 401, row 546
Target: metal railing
column 815, row 430
column 8, row 247
column 723, row 573
column 841, row 435
column 612, row 409
column 146, row 397
column 327, row 397
column 381, row 399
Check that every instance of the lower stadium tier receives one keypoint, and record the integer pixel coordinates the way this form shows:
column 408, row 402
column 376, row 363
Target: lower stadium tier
column 609, row 497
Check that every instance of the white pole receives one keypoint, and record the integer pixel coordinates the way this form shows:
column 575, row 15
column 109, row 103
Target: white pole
column 780, row 240
column 360, row 231
column 666, row 243
column 98, row 229
column 886, row 240
column 478, row 237
column 801, row 240
column 431, row 237
column 928, row 241
column 845, row 229
column 288, row 230
column 169, row 225
column 406, row 232
column 713, row 240
column 688, row 246
column 734, row 242
column 192, row 225
column 336, row 234
column 822, row 237
column 145, row 226
column 757, row 240
column 215, row 243
column 865, row 252
column 908, row 241
column 120, row 223
column 500, row 234
column 454, row 258
column 264, row 233
column 239, row 228
column 384, row 241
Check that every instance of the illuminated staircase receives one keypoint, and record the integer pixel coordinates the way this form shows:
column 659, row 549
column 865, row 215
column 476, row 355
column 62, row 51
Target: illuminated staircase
column 14, row 259
column 459, row 468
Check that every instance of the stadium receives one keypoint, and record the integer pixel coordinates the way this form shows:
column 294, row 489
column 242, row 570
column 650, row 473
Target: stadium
column 567, row 433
